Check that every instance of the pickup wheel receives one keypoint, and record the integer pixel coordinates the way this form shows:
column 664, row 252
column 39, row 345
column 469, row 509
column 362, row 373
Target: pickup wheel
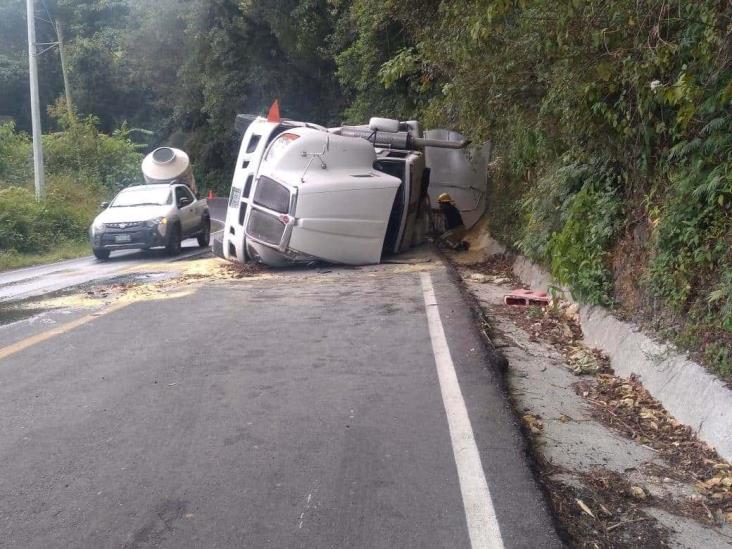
column 101, row 254
column 174, row 240
column 205, row 235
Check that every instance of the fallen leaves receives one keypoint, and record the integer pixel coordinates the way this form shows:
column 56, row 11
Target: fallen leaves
column 532, row 422
column 553, row 326
column 638, row 493
column 586, row 361
column 496, row 267
column 482, row 278
column 584, row 507
column 628, row 408
column 600, row 511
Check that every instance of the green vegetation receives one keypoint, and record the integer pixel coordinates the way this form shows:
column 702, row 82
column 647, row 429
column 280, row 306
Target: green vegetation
column 611, row 120
column 612, row 125
column 83, row 166
column 573, row 215
column 62, row 250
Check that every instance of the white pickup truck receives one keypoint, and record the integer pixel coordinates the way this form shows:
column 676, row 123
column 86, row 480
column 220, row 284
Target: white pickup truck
column 159, row 214
column 348, row 195
column 150, row 216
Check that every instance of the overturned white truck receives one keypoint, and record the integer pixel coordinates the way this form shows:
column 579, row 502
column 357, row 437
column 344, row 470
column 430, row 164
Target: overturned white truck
column 348, row 195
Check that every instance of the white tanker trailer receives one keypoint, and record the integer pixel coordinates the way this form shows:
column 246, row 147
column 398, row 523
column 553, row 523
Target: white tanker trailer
column 348, row 195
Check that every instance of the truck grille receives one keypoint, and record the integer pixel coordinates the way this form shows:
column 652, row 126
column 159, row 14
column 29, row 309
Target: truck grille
column 265, row 227
column 272, row 195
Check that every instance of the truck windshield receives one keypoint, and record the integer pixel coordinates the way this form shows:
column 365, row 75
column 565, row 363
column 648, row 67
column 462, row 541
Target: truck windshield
column 142, row 196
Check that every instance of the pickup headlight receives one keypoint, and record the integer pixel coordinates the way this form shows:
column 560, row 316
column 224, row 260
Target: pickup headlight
column 157, row 221
column 97, row 225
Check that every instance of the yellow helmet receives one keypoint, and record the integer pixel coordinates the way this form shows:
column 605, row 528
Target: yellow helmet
column 444, row 197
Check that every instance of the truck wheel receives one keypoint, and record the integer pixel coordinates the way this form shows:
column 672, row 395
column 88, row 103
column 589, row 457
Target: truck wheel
column 173, row 245
column 101, row 254
column 205, row 236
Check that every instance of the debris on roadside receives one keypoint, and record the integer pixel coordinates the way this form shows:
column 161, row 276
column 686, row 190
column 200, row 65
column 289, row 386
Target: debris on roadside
column 587, row 361
column 656, row 485
column 557, row 324
column 526, row 298
column 600, row 510
column 625, row 406
column 484, row 279
column 497, row 269
column 242, row 270
column 532, row 422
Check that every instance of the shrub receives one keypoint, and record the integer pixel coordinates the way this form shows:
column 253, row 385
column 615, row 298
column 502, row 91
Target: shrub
column 15, row 156
column 22, row 227
column 81, row 151
column 82, row 167
column 573, row 217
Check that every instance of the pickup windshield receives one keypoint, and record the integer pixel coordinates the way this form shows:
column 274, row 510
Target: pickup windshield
column 142, row 196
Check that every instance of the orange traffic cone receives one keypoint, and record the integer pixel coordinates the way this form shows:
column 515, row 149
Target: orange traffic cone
column 274, row 112
column 210, row 194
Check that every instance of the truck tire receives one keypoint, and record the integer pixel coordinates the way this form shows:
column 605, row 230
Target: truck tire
column 101, row 254
column 173, row 247
column 205, row 235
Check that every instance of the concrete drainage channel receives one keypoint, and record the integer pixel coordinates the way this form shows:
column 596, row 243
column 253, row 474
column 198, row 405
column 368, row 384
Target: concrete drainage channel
column 608, row 483
column 665, row 373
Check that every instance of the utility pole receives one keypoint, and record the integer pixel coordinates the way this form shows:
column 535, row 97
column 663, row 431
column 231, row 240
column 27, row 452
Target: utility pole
column 64, row 70
column 35, row 101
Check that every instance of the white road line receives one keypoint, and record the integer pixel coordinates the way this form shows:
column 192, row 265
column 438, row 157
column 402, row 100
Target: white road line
column 483, row 525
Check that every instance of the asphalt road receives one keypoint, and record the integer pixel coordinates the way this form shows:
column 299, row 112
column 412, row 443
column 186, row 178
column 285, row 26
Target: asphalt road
column 43, row 279
column 308, row 410
column 40, row 280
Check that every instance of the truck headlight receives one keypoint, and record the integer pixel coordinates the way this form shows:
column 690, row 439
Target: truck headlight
column 97, row 225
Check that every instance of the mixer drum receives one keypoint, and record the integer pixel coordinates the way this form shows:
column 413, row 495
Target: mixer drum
column 168, row 165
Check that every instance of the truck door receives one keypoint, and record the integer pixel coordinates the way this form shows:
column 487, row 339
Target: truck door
column 186, row 203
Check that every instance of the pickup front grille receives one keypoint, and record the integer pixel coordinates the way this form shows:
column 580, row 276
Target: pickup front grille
column 265, row 227
column 127, row 226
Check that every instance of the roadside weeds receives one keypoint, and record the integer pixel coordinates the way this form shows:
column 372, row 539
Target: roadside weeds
column 71, row 249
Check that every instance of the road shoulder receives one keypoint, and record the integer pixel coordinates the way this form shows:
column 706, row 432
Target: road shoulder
column 519, row 503
column 619, row 471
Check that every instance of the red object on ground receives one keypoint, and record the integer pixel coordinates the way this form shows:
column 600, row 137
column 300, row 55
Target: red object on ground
column 211, row 194
column 527, row 297
column 274, row 112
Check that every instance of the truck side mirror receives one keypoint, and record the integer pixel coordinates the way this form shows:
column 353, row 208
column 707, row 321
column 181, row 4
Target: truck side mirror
column 104, row 205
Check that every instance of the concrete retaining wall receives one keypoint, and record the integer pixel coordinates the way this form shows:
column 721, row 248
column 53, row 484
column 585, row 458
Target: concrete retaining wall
column 691, row 394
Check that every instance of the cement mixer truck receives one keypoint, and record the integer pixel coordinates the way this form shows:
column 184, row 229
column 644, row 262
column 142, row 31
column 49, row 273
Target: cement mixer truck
column 162, row 213
column 348, row 195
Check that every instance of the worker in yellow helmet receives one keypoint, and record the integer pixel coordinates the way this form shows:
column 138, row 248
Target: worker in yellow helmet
column 454, row 226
